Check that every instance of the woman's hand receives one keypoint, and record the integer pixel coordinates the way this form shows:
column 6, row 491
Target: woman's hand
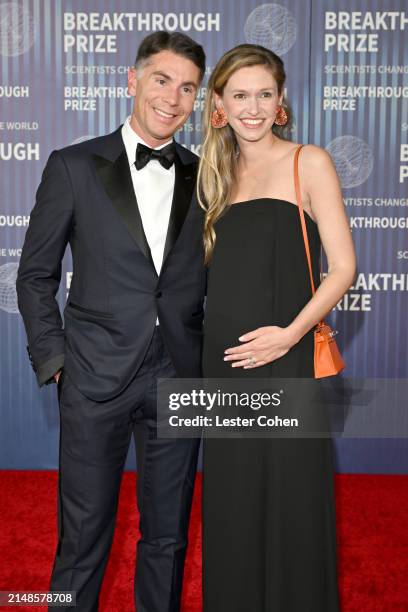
column 260, row 347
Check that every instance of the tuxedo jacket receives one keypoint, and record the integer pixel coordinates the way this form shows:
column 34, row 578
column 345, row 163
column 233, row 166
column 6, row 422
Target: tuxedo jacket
column 86, row 199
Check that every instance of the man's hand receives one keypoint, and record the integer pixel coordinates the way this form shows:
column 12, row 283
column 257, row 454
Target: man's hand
column 57, row 376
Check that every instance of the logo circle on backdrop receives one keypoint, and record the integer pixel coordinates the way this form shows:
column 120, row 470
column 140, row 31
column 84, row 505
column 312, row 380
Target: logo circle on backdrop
column 272, row 26
column 353, row 159
column 17, row 29
column 8, row 294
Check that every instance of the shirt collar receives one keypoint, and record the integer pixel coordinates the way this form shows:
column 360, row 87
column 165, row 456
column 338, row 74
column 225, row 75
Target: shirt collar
column 131, row 140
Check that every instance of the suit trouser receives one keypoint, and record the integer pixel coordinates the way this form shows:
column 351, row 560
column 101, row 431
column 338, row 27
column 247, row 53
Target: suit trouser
column 94, row 440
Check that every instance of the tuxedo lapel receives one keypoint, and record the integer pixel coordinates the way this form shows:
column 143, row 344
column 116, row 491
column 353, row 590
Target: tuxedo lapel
column 112, row 165
column 183, row 191
column 117, row 181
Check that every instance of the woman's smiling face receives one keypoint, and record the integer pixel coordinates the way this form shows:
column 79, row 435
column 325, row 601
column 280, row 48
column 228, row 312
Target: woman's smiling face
column 250, row 100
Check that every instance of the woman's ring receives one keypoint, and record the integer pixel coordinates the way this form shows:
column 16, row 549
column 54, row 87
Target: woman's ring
column 252, row 361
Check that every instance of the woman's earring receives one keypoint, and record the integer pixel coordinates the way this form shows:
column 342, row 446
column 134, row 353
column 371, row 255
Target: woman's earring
column 281, row 116
column 219, row 119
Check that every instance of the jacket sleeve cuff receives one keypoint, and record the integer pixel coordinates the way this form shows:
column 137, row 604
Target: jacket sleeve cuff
column 45, row 372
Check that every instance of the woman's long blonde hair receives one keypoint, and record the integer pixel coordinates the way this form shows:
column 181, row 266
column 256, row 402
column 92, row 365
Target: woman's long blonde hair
column 218, row 164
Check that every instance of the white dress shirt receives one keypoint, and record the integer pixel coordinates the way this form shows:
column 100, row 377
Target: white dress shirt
column 154, row 186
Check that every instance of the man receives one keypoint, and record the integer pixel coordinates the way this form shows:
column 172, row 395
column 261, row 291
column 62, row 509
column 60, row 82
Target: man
column 125, row 204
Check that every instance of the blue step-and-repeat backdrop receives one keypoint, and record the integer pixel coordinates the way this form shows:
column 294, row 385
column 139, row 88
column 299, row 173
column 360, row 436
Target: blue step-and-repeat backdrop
column 63, row 68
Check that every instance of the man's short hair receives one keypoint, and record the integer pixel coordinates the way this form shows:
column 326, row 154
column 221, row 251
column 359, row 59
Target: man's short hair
column 178, row 43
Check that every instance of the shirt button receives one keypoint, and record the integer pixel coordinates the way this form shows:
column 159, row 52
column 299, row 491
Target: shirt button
column 158, row 294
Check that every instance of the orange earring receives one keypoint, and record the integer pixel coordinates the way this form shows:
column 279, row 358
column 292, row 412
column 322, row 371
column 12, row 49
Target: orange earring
column 281, row 116
column 219, row 119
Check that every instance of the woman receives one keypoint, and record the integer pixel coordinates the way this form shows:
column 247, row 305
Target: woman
column 269, row 539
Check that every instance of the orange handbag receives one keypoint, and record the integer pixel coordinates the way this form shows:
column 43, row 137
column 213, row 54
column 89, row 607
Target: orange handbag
column 327, row 358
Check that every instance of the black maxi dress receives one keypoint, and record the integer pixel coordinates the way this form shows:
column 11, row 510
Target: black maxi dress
column 269, row 539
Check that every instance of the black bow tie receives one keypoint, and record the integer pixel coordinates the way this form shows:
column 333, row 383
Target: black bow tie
column 165, row 156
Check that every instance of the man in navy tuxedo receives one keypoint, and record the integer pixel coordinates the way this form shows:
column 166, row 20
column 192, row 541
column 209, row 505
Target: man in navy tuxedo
column 125, row 204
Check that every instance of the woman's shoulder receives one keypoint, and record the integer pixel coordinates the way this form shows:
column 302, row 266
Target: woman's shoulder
column 315, row 157
column 316, row 166
column 309, row 153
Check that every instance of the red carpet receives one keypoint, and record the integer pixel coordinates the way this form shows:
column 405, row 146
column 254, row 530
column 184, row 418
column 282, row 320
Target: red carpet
column 372, row 518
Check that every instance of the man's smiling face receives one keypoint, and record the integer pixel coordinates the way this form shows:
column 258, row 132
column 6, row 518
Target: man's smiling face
column 165, row 87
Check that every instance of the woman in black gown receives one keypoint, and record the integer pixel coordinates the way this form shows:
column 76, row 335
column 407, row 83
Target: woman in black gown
column 269, row 541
